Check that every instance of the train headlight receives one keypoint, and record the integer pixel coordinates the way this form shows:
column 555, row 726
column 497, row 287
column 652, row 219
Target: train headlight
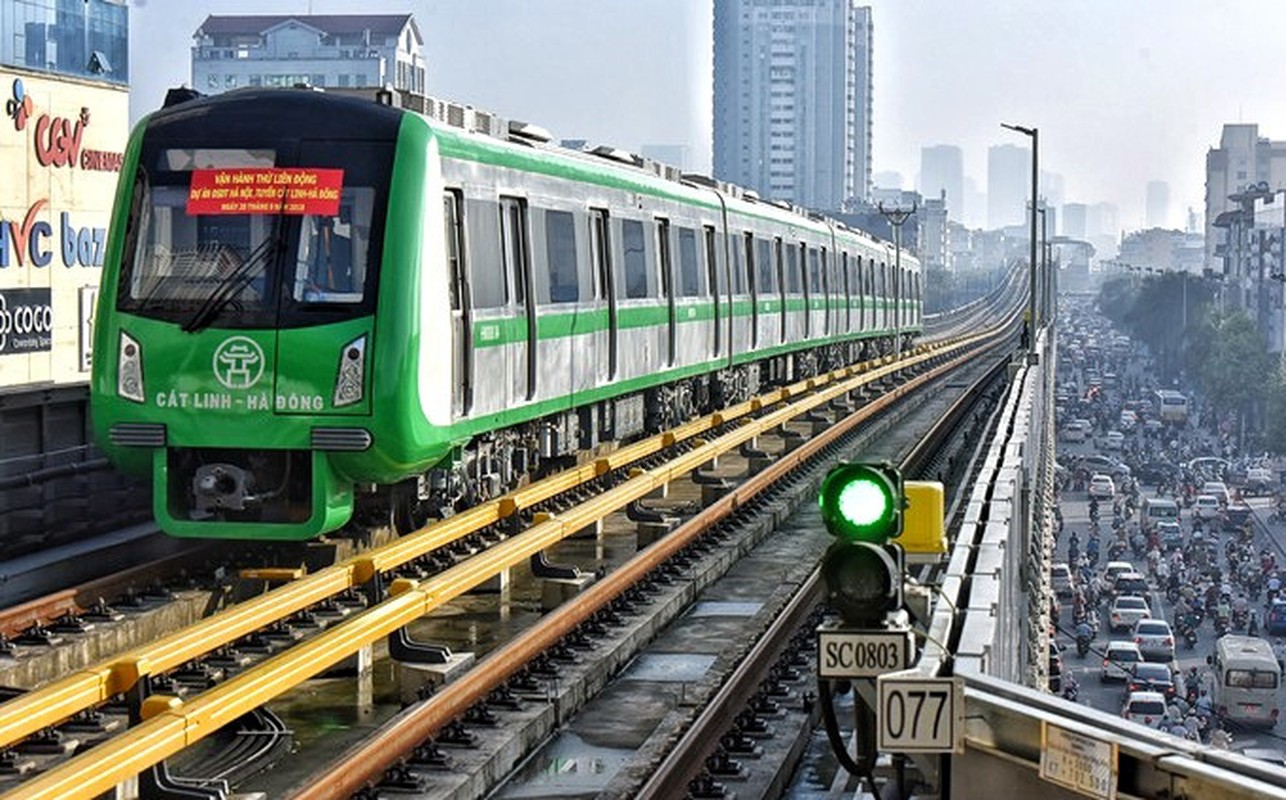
column 129, row 369
column 351, row 380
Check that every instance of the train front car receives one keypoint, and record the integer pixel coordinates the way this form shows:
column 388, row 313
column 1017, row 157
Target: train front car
column 237, row 340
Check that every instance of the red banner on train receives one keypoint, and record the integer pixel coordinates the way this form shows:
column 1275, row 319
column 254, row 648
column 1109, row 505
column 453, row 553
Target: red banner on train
column 265, row 190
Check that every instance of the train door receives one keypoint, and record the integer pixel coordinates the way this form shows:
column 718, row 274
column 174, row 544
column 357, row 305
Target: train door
column 516, row 252
column 717, row 285
column 600, row 252
column 847, row 317
column 781, row 282
column 665, row 260
column 752, row 287
column 461, row 306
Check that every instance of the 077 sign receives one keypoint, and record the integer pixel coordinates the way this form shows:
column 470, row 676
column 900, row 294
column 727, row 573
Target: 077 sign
column 920, row 715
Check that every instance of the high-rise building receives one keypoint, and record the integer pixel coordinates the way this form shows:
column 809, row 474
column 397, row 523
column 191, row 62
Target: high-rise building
column 1008, row 185
column 942, row 170
column 792, row 99
column 1075, row 220
column 340, row 51
column 1157, row 209
column 1243, row 159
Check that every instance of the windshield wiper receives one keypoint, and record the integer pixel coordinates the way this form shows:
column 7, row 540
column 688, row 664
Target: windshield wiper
column 234, row 282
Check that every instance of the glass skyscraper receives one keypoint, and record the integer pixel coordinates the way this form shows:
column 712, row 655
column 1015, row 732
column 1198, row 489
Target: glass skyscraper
column 792, row 99
column 78, row 38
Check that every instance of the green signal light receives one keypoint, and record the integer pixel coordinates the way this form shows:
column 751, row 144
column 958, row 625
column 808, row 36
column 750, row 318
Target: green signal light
column 862, row 502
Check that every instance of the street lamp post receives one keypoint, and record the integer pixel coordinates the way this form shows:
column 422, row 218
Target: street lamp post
column 1034, row 133
column 896, row 217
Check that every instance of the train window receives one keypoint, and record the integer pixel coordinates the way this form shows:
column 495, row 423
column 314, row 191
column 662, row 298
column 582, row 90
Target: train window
column 454, row 230
column 740, row 274
column 816, row 278
column 560, row 253
column 634, row 259
column 766, row 266
column 690, row 277
column 487, row 285
column 513, row 245
column 794, row 275
column 330, row 266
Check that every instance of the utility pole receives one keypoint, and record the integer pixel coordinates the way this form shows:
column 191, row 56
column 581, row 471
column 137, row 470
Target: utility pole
column 896, row 217
column 1034, row 133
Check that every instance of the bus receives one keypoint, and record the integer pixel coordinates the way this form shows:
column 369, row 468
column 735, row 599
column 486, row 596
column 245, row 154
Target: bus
column 1172, row 407
column 1247, row 678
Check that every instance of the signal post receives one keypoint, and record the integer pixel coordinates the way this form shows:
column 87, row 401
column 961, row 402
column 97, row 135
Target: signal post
column 877, row 518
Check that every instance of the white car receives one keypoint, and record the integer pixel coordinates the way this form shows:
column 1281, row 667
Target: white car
column 1075, row 432
column 1206, row 506
column 1113, row 569
column 1155, row 639
column 1119, row 659
column 1061, row 577
column 1145, row 708
column 1127, row 610
column 1102, row 487
column 1115, row 440
column 1218, row 489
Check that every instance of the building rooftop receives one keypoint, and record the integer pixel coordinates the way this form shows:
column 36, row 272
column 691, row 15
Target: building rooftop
column 334, row 24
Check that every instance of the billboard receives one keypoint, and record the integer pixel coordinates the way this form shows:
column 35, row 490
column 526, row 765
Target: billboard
column 61, row 143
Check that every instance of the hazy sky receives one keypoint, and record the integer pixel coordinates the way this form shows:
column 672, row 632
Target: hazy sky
column 1123, row 92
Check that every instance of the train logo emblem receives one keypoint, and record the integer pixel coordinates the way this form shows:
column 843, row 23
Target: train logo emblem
column 238, row 363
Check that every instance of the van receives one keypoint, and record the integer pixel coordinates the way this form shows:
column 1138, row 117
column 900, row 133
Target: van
column 1157, row 509
column 1246, row 680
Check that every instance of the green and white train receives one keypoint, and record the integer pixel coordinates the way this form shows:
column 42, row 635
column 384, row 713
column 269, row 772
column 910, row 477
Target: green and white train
column 314, row 304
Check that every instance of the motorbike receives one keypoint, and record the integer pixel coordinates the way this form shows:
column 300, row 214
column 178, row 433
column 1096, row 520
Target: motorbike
column 1190, row 637
column 1082, row 646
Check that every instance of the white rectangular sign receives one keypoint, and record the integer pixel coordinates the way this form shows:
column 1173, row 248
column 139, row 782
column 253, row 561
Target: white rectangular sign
column 862, row 654
column 920, row 715
column 1078, row 762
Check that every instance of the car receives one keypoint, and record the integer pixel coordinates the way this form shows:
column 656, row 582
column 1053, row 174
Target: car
column 1075, row 432
column 1154, row 472
column 1113, row 569
column 1155, row 639
column 1205, row 506
column 1115, row 440
column 1128, row 609
column 1218, row 489
column 1153, row 425
column 1118, row 659
column 1102, row 487
column 1131, row 583
column 1097, row 462
column 1061, row 577
column 1275, row 619
column 1129, row 421
column 1211, row 466
column 1170, row 534
column 1149, row 677
column 1259, row 481
column 1145, row 708
column 1235, row 516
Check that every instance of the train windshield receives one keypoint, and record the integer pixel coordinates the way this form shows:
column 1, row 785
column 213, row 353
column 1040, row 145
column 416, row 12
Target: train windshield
column 235, row 238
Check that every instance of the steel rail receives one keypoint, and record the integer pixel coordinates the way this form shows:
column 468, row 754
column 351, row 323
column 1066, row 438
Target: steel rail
column 364, row 763
column 181, row 725
column 687, row 758
column 97, row 683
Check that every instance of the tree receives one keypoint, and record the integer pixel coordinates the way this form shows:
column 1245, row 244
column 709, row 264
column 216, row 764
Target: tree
column 1233, row 365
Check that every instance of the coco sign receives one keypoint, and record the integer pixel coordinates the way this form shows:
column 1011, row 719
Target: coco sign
column 58, row 139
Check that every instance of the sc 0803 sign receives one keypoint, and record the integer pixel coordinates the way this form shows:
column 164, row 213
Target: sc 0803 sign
column 864, row 654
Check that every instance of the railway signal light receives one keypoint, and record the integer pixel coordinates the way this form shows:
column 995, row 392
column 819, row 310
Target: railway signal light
column 866, row 507
column 862, row 507
column 862, row 502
